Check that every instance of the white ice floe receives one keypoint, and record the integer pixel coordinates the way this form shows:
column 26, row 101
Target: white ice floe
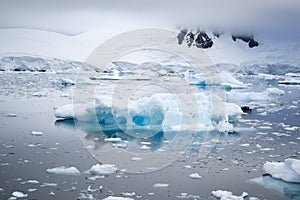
column 36, row 133
column 62, row 170
column 112, row 139
column 102, row 169
column 19, row 194
column 195, row 176
column 227, row 195
column 160, row 185
column 11, row 115
column 117, row 198
column 144, row 147
column 289, row 170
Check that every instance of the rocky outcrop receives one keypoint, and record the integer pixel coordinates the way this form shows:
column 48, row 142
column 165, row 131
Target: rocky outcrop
column 201, row 39
column 198, row 39
column 246, row 38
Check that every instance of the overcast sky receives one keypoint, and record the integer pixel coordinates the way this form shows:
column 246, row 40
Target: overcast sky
column 72, row 17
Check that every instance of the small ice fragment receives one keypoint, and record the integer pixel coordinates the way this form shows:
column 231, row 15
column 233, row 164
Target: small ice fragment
column 112, row 139
column 36, row 133
column 187, row 167
column 144, row 147
column 89, row 189
column 11, row 115
column 195, row 176
column 49, row 185
column 64, row 171
column 128, row 194
column 245, row 145
column 160, row 185
column 52, row 193
column 104, row 169
column 93, row 178
column 136, row 158
column 145, row 143
column 117, row 198
column 227, row 195
column 19, row 194
column 34, row 145
column 31, row 182
column 32, row 190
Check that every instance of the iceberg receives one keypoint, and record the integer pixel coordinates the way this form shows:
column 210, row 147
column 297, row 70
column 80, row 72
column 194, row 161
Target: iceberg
column 289, row 170
column 158, row 112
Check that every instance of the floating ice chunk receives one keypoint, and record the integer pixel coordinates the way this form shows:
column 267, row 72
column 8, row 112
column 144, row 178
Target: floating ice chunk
column 64, row 171
column 64, row 82
column 104, row 169
column 160, row 185
column 136, row 158
column 144, row 147
column 227, row 195
column 1, row 190
column 112, row 139
column 245, row 145
column 36, row 133
column 117, row 198
column 289, row 170
column 31, row 182
column 11, row 115
column 32, row 190
column 49, row 185
column 128, row 194
column 19, row 194
column 195, row 176
column 34, row 145
column 93, row 178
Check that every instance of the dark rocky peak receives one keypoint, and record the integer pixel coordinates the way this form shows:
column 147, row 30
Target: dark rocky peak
column 246, row 38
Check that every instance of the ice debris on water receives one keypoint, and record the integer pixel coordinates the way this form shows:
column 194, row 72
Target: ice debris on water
column 11, row 115
column 19, row 194
column 289, row 170
column 195, row 176
column 117, row 198
column 102, row 169
column 62, row 170
column 227, row 195
column 160, row 185
column 36, row 133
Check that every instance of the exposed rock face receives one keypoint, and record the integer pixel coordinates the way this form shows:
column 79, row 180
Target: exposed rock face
column 246, row 38
column 201, row 39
